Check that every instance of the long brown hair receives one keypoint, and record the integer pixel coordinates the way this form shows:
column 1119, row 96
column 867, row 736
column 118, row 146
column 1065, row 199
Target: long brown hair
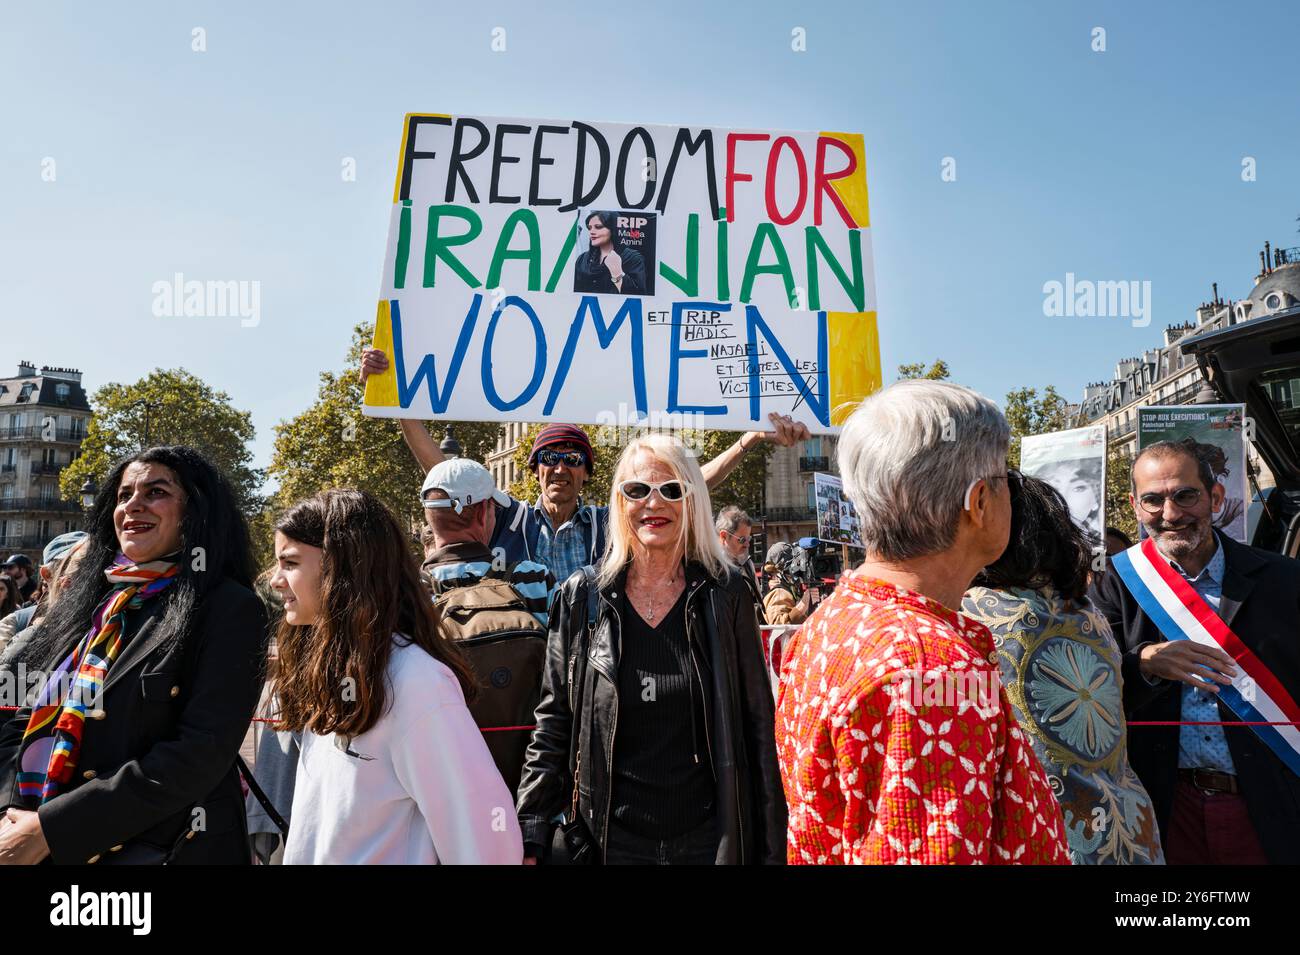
column 332, row 675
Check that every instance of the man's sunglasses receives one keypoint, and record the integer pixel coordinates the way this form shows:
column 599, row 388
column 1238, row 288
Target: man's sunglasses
column 640, row 490
column 743, row 539
column 549, row 458
column 1184, row 497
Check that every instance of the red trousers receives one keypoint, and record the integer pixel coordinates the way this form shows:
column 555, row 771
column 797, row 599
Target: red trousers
column 1211, row 829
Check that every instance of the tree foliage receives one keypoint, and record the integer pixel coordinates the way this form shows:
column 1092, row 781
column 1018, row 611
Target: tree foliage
column 938, row 371
column 1119, row 510
column 168, row 406
column 332, row 444
column 1028, row 414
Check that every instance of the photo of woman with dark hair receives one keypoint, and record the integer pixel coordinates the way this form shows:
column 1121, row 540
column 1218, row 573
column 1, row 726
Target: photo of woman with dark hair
column 608, row 266
column 153, row 655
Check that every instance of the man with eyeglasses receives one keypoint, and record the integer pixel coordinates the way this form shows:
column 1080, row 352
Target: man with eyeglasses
column 1210, row 632
column 558, row 529
column 736, row 532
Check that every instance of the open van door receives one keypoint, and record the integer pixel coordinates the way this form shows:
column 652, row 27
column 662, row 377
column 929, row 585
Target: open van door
column 1257, row 362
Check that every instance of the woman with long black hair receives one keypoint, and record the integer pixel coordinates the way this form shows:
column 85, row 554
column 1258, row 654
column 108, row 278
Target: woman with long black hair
column 392, row 767
column 151, row 659
column 608, row 266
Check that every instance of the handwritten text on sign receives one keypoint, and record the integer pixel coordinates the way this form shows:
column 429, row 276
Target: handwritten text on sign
column 599, row 272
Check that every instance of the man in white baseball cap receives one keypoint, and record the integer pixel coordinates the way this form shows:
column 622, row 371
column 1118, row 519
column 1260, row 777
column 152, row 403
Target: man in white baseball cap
column 457, row 496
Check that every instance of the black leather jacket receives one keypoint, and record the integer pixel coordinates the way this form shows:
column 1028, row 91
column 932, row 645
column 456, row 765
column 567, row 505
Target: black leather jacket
column 722, row 631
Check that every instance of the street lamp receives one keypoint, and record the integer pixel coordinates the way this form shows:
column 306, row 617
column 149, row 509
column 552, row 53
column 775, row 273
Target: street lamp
column 450, row 447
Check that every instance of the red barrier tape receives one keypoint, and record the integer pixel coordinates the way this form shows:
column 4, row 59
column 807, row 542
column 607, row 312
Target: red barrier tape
column 520, row 729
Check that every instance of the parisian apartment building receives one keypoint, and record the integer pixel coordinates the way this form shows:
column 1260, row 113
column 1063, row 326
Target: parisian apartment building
column 43, row 419
column 1165, row 376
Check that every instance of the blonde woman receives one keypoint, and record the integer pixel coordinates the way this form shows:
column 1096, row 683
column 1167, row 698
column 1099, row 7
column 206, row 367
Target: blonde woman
column 655, row 695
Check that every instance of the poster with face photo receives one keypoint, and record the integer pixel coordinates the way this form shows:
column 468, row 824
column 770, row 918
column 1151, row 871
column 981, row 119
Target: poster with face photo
column 616, row 252
column 1073, row 462
column 837, row 521
column 1214, row 434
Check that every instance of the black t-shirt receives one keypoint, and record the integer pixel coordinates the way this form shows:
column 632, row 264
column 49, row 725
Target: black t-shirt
column 662, row 781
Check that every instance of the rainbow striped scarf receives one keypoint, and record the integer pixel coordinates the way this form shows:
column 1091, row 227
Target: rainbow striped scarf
column 52, row 741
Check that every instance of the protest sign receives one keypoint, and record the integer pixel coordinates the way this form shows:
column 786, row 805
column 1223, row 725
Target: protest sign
column 837, row 521
column 605, row 273
column 1214, row 435
column 1073, row 462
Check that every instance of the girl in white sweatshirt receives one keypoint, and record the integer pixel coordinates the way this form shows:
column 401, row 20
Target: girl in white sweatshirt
column 393, row 769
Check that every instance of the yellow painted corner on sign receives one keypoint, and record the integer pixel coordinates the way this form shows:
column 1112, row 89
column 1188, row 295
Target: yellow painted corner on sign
column 401, row 153
column 854, row 353
column 381, row 390
column 852, row 190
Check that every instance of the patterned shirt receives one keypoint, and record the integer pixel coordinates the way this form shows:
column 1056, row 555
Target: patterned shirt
column 461, row 564
column 568, row 548
column 1061, row 669
column 1204, row 747
column 897, row 743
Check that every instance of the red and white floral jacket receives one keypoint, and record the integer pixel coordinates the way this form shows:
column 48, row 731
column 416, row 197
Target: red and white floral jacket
column 898, row 744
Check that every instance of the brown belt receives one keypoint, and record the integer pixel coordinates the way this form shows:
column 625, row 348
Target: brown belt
column 1210, row 780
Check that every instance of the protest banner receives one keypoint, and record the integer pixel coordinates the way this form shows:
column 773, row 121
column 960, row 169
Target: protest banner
column 605, row 273
column 1214, row 434
column 1073, row 462
column 837, row 521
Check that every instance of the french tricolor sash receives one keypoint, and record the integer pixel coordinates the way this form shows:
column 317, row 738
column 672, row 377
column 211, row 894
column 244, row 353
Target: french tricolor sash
column 1256, row 695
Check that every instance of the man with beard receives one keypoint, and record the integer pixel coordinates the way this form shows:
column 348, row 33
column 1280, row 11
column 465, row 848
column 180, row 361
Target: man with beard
column 1223, row 794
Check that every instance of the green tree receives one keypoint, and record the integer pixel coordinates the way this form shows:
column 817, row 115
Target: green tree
column 1028, row 414
column 169, row 406
column 938, row 371
column 1119, row 512
column 744, row 486
column 332, row 444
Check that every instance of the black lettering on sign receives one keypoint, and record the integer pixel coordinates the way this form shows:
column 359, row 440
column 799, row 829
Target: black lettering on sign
column 413, row 125
column 459, row 156
column 538, row 162
column 499, row 159
column 581, row 198
column 636, row 132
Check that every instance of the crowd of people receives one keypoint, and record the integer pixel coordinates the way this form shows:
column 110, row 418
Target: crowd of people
column 565, row 682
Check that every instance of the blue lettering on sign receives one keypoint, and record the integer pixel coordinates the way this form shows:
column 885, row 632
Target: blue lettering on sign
column 539, row 356
column 630, row 311
column 407, row 390
column 677, row 353
column 819, row 402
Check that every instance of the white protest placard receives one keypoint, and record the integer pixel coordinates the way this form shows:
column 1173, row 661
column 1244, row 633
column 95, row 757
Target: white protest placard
column 1073, row 462
column 607, row 273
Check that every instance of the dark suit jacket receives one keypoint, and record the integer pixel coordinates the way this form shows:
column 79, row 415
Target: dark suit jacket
column 1261, row 603
column 160, row 763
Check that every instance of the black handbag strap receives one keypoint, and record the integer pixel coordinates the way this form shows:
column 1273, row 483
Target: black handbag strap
column 262, row 798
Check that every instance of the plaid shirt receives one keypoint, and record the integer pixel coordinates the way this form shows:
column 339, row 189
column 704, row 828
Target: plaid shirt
column 568, row 548
column 876, row 771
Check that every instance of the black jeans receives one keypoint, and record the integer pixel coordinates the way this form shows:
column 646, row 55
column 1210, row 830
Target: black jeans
column 697, row 847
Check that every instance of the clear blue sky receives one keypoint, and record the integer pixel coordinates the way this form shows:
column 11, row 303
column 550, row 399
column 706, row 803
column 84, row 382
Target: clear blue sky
column 226, row 164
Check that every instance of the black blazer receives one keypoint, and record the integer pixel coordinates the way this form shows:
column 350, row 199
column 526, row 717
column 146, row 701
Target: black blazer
column 160, row 763
column 1261, row 603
